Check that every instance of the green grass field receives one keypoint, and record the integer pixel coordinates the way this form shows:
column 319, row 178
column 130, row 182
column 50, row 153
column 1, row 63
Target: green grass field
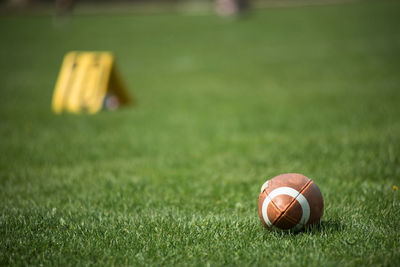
column 222, row 107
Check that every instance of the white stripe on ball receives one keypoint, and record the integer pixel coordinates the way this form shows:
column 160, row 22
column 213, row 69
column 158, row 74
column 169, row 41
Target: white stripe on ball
column 296, row 195
column 264, row 185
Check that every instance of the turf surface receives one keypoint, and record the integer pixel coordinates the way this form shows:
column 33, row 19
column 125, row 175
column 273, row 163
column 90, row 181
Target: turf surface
column 223, row 106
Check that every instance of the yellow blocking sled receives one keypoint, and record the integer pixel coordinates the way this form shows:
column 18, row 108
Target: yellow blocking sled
column 86, row 81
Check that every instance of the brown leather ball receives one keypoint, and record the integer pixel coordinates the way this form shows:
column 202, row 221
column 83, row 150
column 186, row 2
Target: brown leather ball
column 290, row 202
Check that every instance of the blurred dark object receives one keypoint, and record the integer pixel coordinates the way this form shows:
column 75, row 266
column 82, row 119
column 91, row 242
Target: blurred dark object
column 64, row 7
column 229, row 8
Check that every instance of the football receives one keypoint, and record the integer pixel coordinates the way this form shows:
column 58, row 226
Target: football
column 290, row 202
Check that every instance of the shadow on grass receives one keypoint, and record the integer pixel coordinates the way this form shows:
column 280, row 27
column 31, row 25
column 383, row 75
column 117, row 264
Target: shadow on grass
column 329, row 227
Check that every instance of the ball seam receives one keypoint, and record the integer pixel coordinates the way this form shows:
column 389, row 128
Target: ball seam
column 291, row 204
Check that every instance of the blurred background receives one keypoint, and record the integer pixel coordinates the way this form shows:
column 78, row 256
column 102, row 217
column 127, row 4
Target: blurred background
column 222, row 7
